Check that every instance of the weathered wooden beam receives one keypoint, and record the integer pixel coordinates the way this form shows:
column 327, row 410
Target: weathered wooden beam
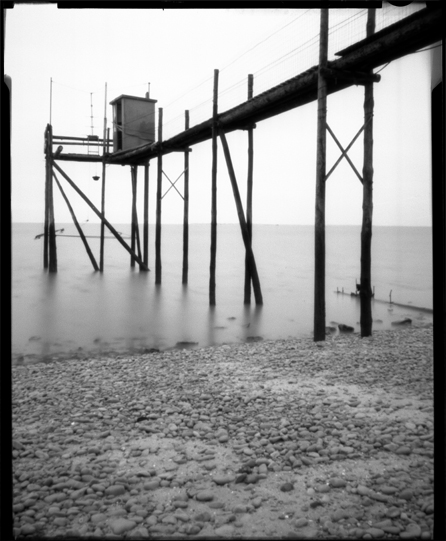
column 243, row 226
column 357, row 78
column 319, row 227
column 212, row 263
column 76, row 223
column 185, row 268
column 247, row 299
column 47, row 181
column 159, row 187
column 52, row 247
column 367, row 202
column 99, row 215
column 146, row 215
column 421, row 29
column 133, row 218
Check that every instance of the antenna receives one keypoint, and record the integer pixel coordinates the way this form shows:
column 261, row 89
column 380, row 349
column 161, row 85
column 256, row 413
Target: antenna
column 91, row 112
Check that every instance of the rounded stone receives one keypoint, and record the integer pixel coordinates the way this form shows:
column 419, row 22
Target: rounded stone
column 300, row 522
column 224, row 531
column 115, row 490
column 337, row 482
column 223, row 479
column 204, row 496
column 122, row 525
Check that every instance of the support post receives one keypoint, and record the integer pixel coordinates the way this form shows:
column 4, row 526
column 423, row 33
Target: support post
column 146, row 215
column 186, row 208
column 52, row 249
column 243, row 226
column 101, row 254
column 367, row 201
column 247, row 299
column 214, row 195
column 99, row 215
column 135, row 214
column 78, row 227
column 319, row 228
column 47, row 204
column 158, row 201
column 133, row 222
column 104, row 138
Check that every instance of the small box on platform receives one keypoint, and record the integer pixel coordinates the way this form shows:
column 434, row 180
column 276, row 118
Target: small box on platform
column 133, row 122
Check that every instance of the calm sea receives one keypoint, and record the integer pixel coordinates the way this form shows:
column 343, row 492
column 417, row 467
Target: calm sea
column 79, row 311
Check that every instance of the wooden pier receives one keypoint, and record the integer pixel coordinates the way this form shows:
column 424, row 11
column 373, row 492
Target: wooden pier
column 354, row 66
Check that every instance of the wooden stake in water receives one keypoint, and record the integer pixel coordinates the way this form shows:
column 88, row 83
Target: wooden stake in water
column 158, row 201
column 186, row 208
column 247, row 299
column 319, row 230
column 214, row 195
column 367, row 201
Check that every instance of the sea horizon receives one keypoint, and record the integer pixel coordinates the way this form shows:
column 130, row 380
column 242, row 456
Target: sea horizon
column 77, row 311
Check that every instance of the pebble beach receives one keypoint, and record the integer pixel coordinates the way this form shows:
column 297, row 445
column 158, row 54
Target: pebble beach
column 270, row 439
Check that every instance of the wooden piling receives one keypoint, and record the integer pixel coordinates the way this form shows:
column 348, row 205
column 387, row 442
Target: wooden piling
column 135, row 225
column 247, row 298
column 252, row 268
column 47, row 206
column 52, row 249
column 212, row 264
column 99, row 215
column 104, row 169
column 78, row 227
column 319, row 229
column 158, row 201
column 133, row 220
column 186, row 208
column 367, row 201
column 146, row 215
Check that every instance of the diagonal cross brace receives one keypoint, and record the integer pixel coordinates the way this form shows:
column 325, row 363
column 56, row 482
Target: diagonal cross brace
column 102, row 218
column 344, row 151
column 173, row 185
column 244, row 228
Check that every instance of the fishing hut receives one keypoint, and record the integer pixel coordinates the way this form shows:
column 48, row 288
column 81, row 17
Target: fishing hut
column 136, row 142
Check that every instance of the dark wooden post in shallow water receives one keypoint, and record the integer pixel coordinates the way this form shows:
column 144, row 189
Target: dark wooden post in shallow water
column 186, row 208
column 104, row 168
column 319, row 227
column 50, row 256
column 367, row 201
column 245, row 234
column 158, row 201
column 247, row 299
column 133, row 220
column 47, row 205
column 214, row 195
column 146, row 215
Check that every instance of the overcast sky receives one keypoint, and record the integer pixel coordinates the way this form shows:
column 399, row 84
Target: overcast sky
column 176, row 51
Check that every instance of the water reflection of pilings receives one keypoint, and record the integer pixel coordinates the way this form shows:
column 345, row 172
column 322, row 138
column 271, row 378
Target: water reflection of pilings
column 252, row 322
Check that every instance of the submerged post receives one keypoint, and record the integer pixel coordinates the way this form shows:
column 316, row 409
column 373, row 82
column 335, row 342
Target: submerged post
column 105, row 138
column 186, row 208
column 158, row 201
column 146, row 215
column 133, row 226
column 367, row 201
column 50, row 229
column 319, row 227
column 247, row 299
column 47, row 204
column 214, row 194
